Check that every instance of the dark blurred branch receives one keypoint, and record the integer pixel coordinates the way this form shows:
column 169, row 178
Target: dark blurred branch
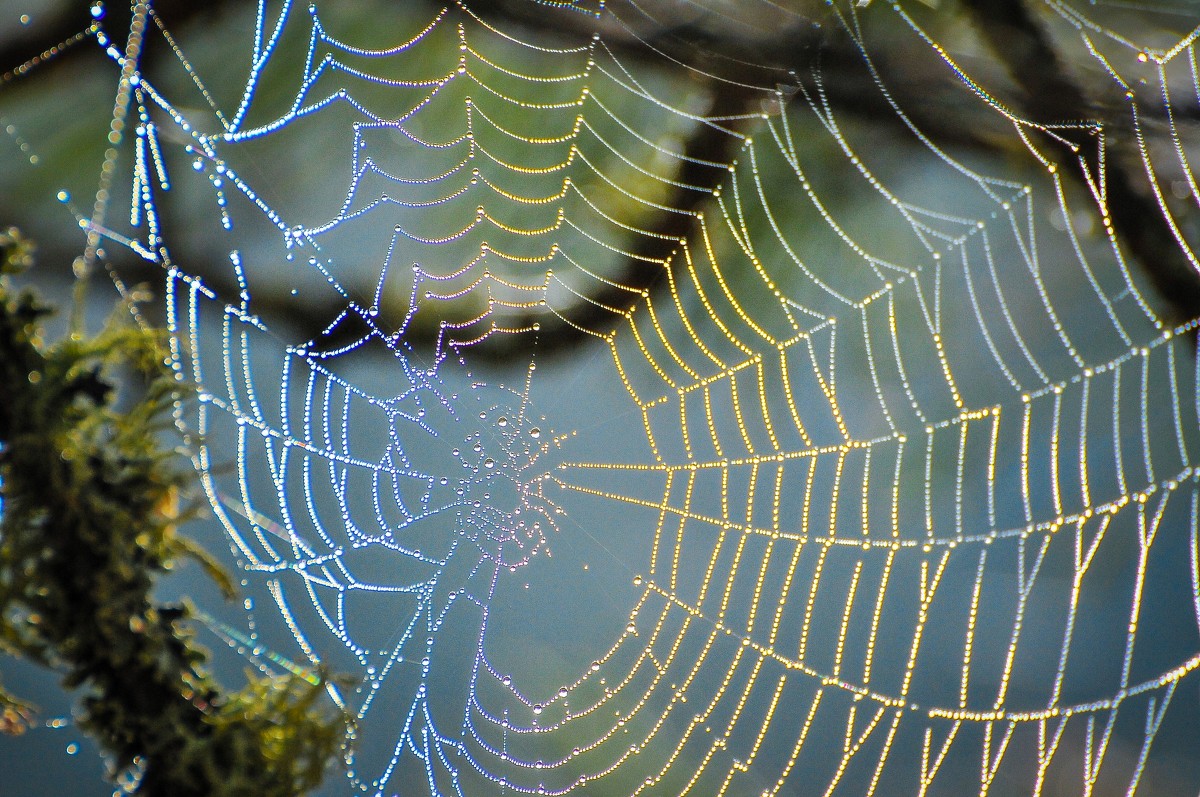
column 736, row 59
column 1052, row 97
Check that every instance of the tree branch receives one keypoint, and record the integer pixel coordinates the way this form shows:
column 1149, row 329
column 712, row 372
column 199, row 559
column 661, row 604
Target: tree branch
column 1051, row 97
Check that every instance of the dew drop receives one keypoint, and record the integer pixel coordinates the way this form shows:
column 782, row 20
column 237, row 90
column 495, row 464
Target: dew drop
column 535, row 433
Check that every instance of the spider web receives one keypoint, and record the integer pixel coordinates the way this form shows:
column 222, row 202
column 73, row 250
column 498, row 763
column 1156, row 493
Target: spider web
column 877, row 479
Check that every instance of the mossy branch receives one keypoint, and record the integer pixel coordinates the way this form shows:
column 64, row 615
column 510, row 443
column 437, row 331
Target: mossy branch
column 89, row 521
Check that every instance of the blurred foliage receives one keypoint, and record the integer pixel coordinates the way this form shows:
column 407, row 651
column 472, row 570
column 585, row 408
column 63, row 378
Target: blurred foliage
column 89, row 520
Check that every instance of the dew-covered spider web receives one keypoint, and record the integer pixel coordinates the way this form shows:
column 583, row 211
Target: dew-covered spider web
column 627, row 418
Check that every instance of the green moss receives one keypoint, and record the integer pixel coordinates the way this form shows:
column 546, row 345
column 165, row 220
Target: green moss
column 90, row 519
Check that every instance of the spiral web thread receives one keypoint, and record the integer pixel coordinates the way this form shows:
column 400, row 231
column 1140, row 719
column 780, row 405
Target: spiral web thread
column 913, row 457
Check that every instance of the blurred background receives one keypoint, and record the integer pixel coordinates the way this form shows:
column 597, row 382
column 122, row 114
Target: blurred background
column 412, row 218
